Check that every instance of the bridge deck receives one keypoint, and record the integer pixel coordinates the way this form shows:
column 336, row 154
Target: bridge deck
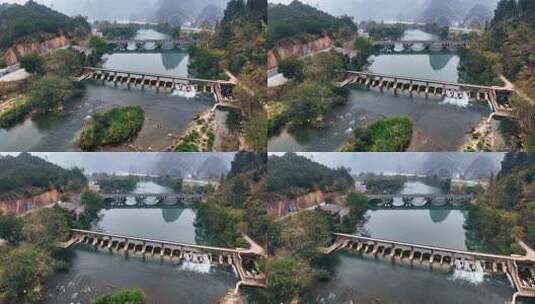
column 436, row 248
column 163, row 76
column 383, row 42
column 430, row 81
column 155, row 241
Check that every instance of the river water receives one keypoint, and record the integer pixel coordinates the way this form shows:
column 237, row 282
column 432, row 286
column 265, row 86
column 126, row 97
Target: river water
column 365, row 280
column 167, row 115
column 438, row 125
column 96, row 272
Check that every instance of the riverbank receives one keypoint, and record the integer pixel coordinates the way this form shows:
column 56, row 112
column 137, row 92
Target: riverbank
column 199, row 136
column 484, row 137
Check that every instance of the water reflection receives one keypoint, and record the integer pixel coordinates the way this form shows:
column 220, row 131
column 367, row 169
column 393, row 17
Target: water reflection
column 167, row 63
column 439, row 215
column 170, row 215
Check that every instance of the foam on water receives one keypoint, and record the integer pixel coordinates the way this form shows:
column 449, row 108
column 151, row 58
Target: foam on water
column 184, row 93
column 462, row 102
column 195, row 267
column 463, row 272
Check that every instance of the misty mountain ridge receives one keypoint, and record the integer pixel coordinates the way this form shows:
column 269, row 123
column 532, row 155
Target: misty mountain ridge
column 449, row 12
column 205, row 165
column 181, row 12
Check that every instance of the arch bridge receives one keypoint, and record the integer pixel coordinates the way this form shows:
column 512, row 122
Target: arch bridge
column 245, row 261
column 222, row 90
column 418, row 201
column 521, row 269
column 118, row 200
column 428, row 45
column 142, row 44
column 497, row 97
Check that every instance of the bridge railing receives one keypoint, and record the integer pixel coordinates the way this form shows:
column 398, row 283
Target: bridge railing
column 434, row 248
column 155, row 241
column 162, row 76
column 427, row 81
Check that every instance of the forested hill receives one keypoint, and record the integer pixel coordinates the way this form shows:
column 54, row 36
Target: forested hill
column 507, row 210
column 26, row 175
column 35, row 21
column 511, row 34
column 297, row 20
column 292, row 171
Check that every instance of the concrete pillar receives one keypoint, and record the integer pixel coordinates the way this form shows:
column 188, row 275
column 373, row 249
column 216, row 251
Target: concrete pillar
column 395, row 87
column 410, row 87
column 381, row 84
column 128, row 81
column 426, row 90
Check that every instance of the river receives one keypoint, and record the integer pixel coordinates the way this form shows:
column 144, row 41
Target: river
column 167, row 115
column 365, row 280
column 96, row 272
column 438, row 125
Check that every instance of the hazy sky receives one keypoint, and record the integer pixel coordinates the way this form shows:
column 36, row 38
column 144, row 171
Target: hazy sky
column 124, row 162
column 389, row 162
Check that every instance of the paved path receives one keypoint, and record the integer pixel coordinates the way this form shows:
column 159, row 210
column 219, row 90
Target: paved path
column 19, row 74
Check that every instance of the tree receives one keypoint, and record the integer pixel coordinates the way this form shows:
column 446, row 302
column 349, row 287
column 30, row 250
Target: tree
column 304, row 233
column 33, row 63
column 98, row 47
column 46, row 227
column 10, row 229
column 51, row 92
column 325, row 67
column 22, row 270
column 292, row 68
column 357, row 203
column 64, row 63
column 126, row 296
column 92, row 202
column 287, row 276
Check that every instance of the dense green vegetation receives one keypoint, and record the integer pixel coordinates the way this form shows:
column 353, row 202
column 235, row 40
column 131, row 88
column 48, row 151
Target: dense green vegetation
column 15, row 113
column 507, row 47
column 298, row 20
column 26, row 175
column 378, row 184
column 238, row 45
column 302, row 104
column 34, row 22
column 33, row 63
column 50, row 90
column 112, row 127
column 478, row 67
column 358, row 206
column 118, row 31
column 294, row 171
column 381, row 31
column 388, row 135
column 365, row 49
column 506, row 211
column 292, row 68
column 125, row 296
column 25, row 263
column 234, row 209
column 112, row 183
